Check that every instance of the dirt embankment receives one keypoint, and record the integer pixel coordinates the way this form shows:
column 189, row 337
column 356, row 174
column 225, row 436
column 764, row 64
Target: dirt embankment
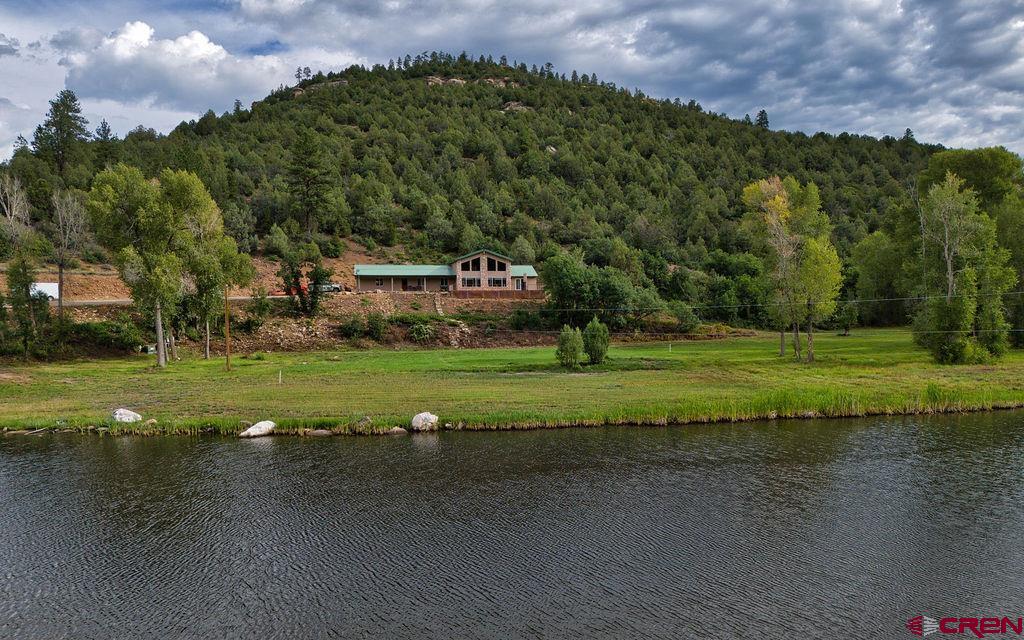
column 98, row 282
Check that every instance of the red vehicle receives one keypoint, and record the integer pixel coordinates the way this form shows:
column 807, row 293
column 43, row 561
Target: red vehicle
column 292, row 291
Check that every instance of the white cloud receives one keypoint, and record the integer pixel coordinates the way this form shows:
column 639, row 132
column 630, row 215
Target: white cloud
column 189, row 72
column 14, row 118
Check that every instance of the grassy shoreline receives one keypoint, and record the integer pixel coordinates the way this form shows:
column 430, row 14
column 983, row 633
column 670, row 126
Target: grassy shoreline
column 876, row 372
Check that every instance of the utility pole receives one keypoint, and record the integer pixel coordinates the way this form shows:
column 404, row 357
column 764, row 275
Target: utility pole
column 227, row 330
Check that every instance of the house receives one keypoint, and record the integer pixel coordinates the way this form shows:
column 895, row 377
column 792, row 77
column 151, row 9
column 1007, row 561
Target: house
column 481, row 273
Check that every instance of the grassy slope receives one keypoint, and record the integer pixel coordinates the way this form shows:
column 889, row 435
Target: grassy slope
column 876, row 371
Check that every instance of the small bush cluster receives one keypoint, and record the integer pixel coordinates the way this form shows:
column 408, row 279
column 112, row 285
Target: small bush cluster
column 117, row 336
column 421, row 332
column 352, row 327
column 595, row 341
column 592, row 341
column 257, row 311
column 570, row 347
column 377, row 326
column 686, row 320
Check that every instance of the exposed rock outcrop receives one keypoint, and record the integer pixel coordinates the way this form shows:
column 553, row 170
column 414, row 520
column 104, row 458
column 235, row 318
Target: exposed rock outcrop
column 514, row 105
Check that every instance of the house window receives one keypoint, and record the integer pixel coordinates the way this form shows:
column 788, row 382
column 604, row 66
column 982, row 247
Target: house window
column 520, row 284
column 379, row 282
column 465, row 266
column 470, row 282
column 496, row 265
column 497, row 283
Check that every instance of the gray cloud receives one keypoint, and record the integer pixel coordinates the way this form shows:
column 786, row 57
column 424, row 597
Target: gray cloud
column 8, row 46
column 13, row 119
column 954, row 73
column 76, row 39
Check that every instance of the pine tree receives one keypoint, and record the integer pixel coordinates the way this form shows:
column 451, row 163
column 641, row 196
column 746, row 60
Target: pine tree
column 62, row 130
column 762, row 119
column 308, row 179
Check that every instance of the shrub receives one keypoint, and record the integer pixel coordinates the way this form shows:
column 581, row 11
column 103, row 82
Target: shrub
column 257, row 310
column 421, row 332
column 94, row 253
column 686, row 320
column 329, row 246
column 570, row 347
column 276, row 243
column 595, row 341
column 524, row 320
column 377, row 326
column 410, row 318
column 121, row 335
column 847, row 316
column 352, row 327
column 944, row 329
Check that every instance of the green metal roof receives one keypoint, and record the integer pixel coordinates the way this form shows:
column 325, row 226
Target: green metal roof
column 404, row 270
column 493, row 253
column 523, row 270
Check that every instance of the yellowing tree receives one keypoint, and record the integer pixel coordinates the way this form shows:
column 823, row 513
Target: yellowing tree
column 792, row 233
column 819, row 279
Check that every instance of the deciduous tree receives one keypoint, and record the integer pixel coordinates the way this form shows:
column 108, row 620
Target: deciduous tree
column 69, row 219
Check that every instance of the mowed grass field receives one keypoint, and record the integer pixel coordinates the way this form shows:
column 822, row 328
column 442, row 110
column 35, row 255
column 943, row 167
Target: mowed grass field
column 868, row 372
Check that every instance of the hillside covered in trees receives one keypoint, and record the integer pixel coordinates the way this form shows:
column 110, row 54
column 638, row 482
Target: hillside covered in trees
column 443, row 154
column 450, row 153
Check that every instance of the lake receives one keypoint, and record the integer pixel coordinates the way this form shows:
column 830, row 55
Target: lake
column 774, row 529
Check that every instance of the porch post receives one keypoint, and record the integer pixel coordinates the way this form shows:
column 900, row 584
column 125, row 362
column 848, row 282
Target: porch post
column 392, row 284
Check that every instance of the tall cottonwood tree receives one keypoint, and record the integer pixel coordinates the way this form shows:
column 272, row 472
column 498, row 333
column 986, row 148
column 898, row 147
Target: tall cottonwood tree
column 819, row 280
column 211, row 261
column 792, row 233
column 768, row 205
column 133, row 219
column 966, row 322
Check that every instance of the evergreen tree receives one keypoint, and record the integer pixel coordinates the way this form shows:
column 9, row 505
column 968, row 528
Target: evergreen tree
column 308, row 180
column 762, row 119
column 104, row 145
column 62, row 131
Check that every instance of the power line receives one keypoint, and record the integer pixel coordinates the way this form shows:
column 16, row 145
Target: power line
column 786, row 304
column 740, row 334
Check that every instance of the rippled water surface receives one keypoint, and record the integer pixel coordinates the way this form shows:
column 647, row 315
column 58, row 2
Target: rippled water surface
column 795, row 529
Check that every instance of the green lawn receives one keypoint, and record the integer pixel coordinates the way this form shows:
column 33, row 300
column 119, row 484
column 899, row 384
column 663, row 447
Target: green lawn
column 869, row 372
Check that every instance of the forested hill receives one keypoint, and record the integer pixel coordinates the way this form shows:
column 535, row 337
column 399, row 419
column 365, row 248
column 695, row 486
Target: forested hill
column 445, row 154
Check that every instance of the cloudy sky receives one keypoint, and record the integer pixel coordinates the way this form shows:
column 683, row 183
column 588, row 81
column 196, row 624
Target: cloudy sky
column 951, row 71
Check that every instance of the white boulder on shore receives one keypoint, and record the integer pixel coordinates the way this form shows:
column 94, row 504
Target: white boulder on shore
column 125, row 415
column 262, row 428
column 425, row 421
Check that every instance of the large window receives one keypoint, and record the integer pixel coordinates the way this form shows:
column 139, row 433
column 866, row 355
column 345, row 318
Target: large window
column 496, row 265
column 497, row 283
column 379, row 282
column 471, row 265
column 470, row 282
